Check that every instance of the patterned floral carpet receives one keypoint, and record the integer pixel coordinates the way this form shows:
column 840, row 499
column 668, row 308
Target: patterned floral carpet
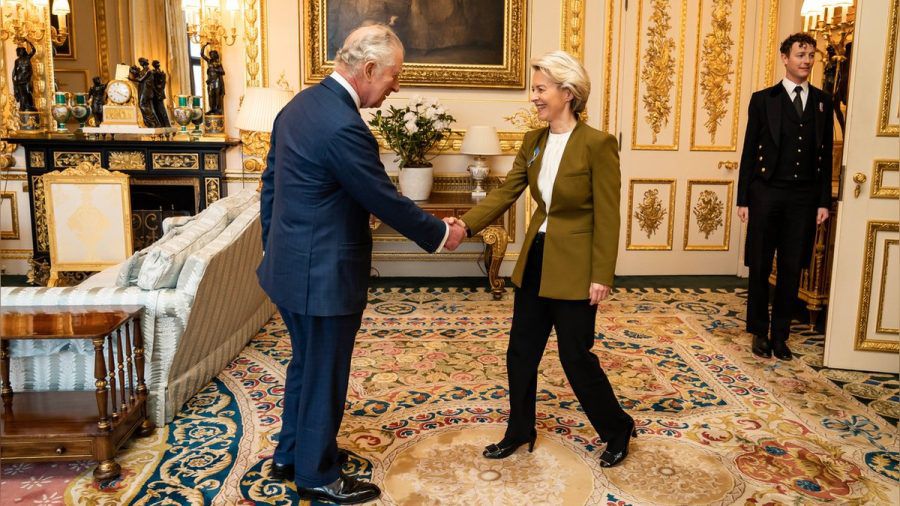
column 716, row 425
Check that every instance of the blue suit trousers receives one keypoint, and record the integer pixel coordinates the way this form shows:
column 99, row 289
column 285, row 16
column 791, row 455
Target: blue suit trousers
column 315, row 394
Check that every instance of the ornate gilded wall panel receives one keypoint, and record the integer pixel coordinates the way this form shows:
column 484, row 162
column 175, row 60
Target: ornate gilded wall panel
column 66, row 159
column 658, row 74
column 707, row 216
column 572, row 30
column 886, row 179
column 175, row 161
column 651, row 214
column 881, row 265
column 127, row 160
column 7, row 113
column 256, row 61
column 9, row 228
column 889, row 106
column 717, row 83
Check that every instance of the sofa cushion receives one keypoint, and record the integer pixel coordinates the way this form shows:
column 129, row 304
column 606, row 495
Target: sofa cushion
column 105, row 278
column 164, row 261
column 196, row 264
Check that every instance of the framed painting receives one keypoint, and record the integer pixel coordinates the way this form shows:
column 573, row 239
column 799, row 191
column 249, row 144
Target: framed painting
column 479, row 43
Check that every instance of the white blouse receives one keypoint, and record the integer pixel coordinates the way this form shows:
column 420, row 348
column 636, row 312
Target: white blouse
column 553, row 152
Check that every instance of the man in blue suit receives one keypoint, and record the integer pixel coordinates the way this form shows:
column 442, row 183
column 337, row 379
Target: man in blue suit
column 324, row 178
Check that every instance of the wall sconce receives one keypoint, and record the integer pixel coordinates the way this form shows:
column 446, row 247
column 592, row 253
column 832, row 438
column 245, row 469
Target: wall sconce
column 27, row 19
column 206, row 21
column 481, row 141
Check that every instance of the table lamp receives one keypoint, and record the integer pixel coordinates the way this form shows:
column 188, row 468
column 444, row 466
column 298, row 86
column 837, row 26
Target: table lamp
column 481, row 141
column 257, row 114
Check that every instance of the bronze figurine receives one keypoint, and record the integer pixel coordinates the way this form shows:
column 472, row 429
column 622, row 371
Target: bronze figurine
column 215, row 81
column 21, row 77
column 159, row 95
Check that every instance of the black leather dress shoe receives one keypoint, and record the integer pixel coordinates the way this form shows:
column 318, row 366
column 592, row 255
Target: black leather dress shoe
column 286, row 471
column 344, row 490
column 617, row 447
column 506, row 448
column 781, row 351
column 761, row 347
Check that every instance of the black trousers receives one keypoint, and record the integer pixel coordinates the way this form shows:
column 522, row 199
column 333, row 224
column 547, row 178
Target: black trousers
column 533, row 317
column 782, row 219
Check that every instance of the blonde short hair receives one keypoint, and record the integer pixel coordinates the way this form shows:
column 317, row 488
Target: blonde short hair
column 568, row 74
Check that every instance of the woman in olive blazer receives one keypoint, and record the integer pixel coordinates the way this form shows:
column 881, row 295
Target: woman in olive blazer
column 567, row 262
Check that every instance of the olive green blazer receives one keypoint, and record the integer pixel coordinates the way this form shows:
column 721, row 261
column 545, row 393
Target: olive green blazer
column 582, row 239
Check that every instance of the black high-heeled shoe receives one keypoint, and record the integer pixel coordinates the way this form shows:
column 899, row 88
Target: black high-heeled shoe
column 617, row 447
column 506, row 448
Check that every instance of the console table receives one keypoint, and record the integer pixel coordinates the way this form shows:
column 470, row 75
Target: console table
column 444, row 204
column 63, row 426
column 181, row 177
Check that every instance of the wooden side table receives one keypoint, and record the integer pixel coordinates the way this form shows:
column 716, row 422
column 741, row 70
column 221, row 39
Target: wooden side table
column 64, row 426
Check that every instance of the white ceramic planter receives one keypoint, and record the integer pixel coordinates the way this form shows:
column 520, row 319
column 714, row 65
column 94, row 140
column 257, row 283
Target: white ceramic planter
column 416, row 182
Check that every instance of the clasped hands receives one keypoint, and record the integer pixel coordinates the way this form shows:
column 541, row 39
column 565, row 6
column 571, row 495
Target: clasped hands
column 457, row 233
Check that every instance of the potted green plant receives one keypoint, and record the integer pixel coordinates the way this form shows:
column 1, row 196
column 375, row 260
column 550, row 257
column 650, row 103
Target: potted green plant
column 411, row 132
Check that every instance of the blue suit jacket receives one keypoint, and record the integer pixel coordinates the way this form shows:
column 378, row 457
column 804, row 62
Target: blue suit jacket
column 324, row 177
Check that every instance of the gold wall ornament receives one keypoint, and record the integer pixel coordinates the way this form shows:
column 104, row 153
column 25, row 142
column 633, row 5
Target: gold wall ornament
column 255, row 42
column 38, row 271
column 7, row 113
column 714, row 71
column 772, row 37
column 102, row 39
column 509, row 75
column 659, row 71
column 711, row 211
column 127, row 160
column 572, row 30
column 63, row 159
column 608, row 66
column 211, row 162
column 175, row 161
column 40, row 214
column 885, row 128
column 37, row 159
column 212, row 190
column 15, row 254
column 862, row 341
column 879, row 190
column 650, row 212
column 708, row 212
column 526, row 119
column 659, row 68
column 13, row 232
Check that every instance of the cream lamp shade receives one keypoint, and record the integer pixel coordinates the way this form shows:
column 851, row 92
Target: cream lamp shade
column 61, row 7
column 481, row 141
column 259, row 108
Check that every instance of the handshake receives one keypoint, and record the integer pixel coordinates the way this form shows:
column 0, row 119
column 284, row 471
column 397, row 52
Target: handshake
column 457, row 233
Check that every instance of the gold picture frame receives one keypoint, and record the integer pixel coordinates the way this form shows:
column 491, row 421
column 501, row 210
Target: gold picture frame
column 497, row 63
column 13, row 232
column 88, row 219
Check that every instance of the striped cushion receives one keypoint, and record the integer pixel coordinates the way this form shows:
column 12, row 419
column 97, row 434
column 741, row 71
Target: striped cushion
column 164, row 261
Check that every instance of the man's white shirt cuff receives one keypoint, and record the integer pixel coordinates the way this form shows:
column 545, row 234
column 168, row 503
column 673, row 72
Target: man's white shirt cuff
column 446, row 236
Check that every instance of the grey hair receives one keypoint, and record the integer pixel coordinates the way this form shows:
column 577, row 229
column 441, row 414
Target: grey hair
column 568, row 74
column 377, row 43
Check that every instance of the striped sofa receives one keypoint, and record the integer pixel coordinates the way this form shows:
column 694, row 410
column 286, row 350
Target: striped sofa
column 200, row 311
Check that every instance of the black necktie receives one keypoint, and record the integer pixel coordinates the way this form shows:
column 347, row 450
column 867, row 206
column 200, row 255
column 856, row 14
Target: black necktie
column 798, row 102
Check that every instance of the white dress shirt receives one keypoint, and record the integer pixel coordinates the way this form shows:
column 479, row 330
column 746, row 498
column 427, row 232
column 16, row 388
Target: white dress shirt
column 556, row 144
column 355, row 96
column 790, row 86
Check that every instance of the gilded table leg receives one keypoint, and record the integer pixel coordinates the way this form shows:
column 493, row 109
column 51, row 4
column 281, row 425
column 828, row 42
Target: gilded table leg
column 107, row 470
column 101, row 384
column 497, row 238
